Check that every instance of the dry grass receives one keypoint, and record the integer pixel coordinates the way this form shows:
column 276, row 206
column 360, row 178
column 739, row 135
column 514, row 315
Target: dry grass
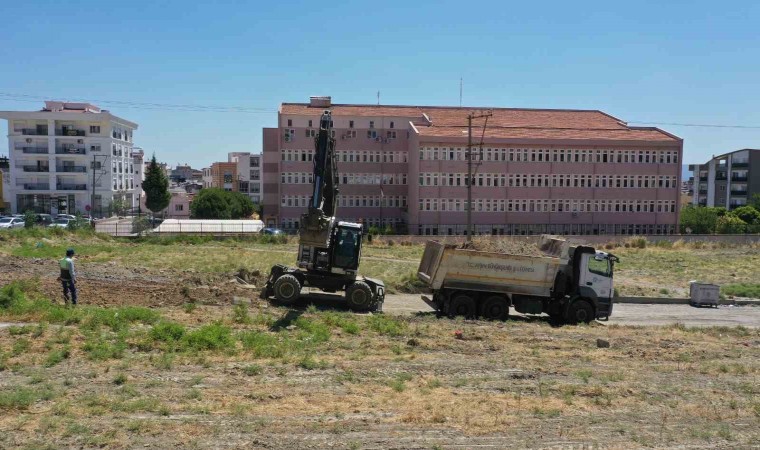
column 313, row 377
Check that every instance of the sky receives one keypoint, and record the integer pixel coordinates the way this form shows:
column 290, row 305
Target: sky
column 675, row 62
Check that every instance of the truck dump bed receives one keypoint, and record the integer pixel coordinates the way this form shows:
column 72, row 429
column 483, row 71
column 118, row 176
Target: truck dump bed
column 445, row 266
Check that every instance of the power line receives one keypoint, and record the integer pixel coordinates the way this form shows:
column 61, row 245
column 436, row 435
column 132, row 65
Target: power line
column 697, row 125
column 146, row 105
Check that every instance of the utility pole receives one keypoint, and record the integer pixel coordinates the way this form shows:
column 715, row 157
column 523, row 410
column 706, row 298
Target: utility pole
column 469, row 166
column 92, row 199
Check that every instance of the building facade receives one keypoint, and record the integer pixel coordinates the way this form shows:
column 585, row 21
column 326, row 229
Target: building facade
column 537, row 171
column 69, row 158
column 224, row 175
column 249, row 173
column 728, row 180
column 4, row 182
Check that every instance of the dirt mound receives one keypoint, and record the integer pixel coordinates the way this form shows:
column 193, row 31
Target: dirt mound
column 510, row 246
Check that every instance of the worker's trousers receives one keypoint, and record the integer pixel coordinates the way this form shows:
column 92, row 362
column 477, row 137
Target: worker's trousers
column 69, row 286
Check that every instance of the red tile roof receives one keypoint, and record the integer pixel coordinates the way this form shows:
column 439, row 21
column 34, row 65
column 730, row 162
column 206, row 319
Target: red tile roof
column 506, row 123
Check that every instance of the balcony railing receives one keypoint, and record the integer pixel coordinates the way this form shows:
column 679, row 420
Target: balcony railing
column 720, row 177
column 703, row 192
column 70, row 151
column 34, row 132
column 32, row 168
column 738, row 178
column 702, row 178
column 69, row 132
column 71, row 187
column 733, row 192
column 736, row 165
column 72, row 169
column 33, row 150
column 36, row 186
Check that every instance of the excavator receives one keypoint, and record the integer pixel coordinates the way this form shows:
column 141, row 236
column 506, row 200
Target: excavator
column 329, row 250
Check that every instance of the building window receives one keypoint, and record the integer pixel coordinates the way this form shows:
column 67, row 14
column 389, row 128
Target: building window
column 391, row 124
column 350, row 124
column 372, row 124
column 95, row 129
column 179, row 207
column 310, row 124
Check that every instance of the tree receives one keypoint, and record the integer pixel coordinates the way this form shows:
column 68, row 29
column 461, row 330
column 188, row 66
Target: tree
column 156, row 187
column 119, row 205
column 754, row 201
column 730, row 224
column 700, row 220
column 211, row 203
column 748, row 214
column 215, row 203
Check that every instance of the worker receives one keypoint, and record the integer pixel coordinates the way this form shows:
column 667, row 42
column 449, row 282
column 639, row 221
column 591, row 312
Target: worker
column 68, row 277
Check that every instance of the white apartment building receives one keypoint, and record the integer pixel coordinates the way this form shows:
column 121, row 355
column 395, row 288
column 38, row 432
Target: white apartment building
column 249, row 173
column 207, row 180
column 70, row 157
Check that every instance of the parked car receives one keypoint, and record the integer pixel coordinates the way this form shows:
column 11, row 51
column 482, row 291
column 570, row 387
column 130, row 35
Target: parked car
column 273, row 231
column 44, row 220
column 11, row 222
column 61, row 222
column 66, row 216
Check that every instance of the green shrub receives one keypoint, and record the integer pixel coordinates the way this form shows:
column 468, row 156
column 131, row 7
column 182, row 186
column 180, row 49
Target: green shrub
column 312, row 330
column 56, row 356
column 11, row 294
column 729, row 224
column 23, row 398
column 166, row 331
column 262, row 345
column 252, row 370
column 387, row 325
column 101, row 348
column 240, row 314
column 210, row 337
column 751, row 290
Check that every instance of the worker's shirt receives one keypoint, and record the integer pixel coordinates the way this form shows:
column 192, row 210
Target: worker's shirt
column 67, row 269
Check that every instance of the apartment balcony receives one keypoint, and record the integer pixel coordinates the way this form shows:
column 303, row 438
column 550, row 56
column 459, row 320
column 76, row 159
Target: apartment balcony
column 720, row 177
column 36, row 186
column 702, row 178
column 739, row 193
column 33, row 150
column 69, row 132
column 703, row 203
column 34, row 132
column 71, row 169
column 34, row 168
column 739, row 165
column 71, row 187
column 70, row 151
column 703, row 192
column 738, row 178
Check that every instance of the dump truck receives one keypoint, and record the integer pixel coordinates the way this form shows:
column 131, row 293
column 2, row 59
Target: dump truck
column 570, row 283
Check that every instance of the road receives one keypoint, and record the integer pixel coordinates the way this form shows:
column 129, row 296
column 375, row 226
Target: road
column 626, row 314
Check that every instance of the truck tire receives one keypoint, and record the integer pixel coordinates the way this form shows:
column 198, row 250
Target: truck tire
column 462, row 305
column 287, row 289
column 359, row 297
column 494, row 307
column 579, row 311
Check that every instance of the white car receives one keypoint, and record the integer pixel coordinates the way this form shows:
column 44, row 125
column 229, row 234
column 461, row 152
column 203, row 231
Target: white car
column 11, row 222
column 66, row 216
column 61, row 222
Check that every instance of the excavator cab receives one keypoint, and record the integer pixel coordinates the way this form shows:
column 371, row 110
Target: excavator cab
column 347, row 247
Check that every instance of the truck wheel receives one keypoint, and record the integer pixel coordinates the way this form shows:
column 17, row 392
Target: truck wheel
column 462, row 305
column 495, row 307
column 287, row 289
column 359, row 297
column 579, row 311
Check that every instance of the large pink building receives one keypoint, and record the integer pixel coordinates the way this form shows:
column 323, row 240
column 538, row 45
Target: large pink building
column 539, row 171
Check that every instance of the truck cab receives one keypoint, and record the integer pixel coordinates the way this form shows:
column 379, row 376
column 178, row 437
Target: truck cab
column 595, row 280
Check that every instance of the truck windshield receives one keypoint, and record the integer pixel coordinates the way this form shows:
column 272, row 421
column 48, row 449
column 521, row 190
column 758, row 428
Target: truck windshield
column 599, row 267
